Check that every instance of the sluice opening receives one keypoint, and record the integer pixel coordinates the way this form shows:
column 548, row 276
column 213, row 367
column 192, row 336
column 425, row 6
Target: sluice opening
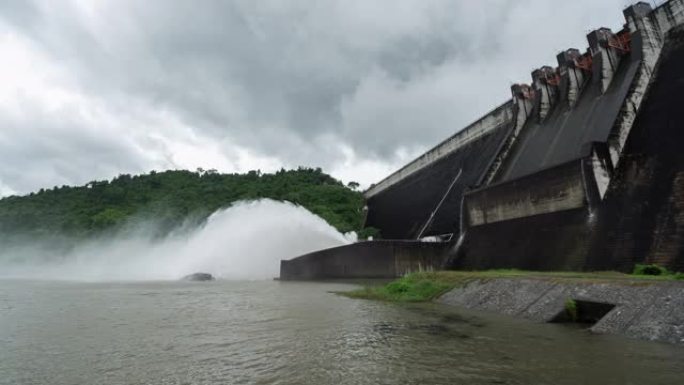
column 585, row 313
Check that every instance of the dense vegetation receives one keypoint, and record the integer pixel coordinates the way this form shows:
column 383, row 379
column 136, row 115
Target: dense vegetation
column 173, row 198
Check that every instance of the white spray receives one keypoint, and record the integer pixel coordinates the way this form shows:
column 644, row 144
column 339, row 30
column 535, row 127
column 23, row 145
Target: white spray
column 245, row 241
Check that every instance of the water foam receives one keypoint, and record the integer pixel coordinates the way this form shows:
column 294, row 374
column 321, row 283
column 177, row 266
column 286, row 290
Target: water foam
column 245, row 241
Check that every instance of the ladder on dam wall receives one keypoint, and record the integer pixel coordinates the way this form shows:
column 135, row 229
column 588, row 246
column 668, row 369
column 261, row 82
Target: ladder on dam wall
column 432, row 214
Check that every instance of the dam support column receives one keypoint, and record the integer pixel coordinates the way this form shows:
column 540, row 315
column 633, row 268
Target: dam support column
column 606, row 50
column 645, row 45
column 572, row 76
column 545, row 81
column 523, row 105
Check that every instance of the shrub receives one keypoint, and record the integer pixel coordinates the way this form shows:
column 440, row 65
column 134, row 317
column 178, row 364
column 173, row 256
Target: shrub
column 398, row 287
column 652, row 269
column 571, row 309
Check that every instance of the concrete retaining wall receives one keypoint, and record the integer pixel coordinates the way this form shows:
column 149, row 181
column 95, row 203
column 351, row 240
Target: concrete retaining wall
column 552, row 190
column 554, row 241
column 651, row 311
column 373, row 259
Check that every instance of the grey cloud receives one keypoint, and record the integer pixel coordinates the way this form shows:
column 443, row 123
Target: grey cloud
column 283, row 78
column 44, row 153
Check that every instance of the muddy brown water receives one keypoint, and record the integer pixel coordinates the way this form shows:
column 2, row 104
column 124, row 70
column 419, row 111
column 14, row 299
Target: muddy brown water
column 269, row 332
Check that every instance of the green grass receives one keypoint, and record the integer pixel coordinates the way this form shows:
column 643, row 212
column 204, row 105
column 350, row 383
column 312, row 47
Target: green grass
column 416, row 287
column 571, row 309
column 425, row 286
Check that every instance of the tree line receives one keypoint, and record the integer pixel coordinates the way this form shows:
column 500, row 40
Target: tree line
column 176, row 198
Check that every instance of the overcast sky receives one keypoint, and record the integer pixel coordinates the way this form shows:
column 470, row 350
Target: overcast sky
column 92, row 89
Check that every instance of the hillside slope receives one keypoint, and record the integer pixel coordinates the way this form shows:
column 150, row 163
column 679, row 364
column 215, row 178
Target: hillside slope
column 173, row 198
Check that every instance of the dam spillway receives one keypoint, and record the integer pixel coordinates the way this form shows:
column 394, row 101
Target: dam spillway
column 583, row 169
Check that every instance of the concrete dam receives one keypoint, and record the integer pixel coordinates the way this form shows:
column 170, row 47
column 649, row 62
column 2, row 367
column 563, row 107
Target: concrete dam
column 582, row 169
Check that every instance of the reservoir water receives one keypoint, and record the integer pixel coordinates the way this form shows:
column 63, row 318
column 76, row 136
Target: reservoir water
column 269, row 332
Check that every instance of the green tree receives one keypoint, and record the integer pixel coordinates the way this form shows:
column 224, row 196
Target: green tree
column 173, row 198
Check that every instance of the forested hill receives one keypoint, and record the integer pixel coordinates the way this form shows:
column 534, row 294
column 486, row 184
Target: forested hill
column 172, row 198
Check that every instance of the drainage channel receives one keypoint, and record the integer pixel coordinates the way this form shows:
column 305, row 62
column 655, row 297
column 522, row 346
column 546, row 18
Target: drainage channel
column 586, row 313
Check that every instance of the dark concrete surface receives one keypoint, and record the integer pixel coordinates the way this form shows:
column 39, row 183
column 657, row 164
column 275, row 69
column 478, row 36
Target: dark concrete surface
column 403, row 209
column 372, row 259
column 642, row 218
column 565, row 134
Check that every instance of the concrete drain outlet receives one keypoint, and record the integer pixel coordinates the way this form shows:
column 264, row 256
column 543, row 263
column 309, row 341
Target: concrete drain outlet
column 582, row 312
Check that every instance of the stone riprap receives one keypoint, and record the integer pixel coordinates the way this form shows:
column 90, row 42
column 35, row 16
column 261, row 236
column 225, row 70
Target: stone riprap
column 649, row 310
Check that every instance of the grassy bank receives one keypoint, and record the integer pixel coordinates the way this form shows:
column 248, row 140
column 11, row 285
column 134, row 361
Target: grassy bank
column 425, row 286
column 414, row 287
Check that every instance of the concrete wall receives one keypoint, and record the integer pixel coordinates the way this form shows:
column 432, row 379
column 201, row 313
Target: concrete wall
column 428, row 202
column 554, row 241
column 642, row 217
column 639, row 218
column 554, row 121
column 668, row 15
column 556, row 189
column 373, row 259
column 563, row 133
column 582, row 170
column 483, row 126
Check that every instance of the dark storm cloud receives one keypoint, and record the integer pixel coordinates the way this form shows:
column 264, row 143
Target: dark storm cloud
column 297, row 81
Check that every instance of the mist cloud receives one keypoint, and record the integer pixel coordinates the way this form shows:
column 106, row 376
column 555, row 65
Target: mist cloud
column 230, row 246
